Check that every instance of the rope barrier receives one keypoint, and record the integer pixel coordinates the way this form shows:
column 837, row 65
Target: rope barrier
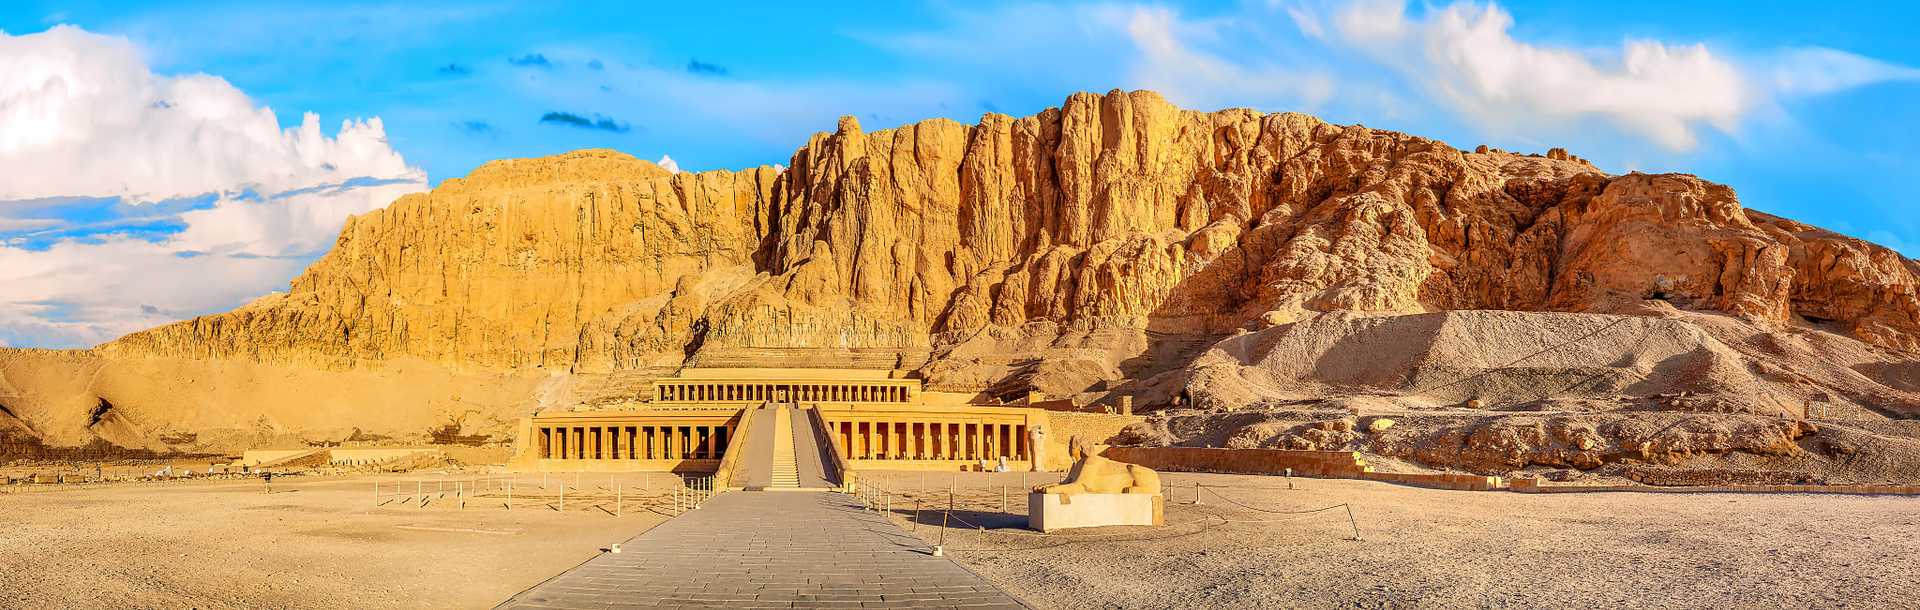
column 865, row 491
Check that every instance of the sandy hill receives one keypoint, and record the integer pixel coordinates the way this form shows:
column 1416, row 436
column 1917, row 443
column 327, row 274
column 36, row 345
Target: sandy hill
column 1215, row 266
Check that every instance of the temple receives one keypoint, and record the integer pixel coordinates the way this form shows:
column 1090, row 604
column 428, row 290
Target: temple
column 745, row 423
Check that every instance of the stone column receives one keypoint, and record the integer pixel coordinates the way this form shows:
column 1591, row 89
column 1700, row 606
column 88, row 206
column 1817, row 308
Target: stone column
column 945, row 440
column 709, row 433
column 991, row 449
column 859, row 440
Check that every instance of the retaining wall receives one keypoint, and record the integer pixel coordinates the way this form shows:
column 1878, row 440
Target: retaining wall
column 1344, row 464
column 1531, row 485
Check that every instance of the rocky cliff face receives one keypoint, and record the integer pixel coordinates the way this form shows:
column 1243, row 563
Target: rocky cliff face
column 501, row 269
column 1114, row 211
column 1254, row 279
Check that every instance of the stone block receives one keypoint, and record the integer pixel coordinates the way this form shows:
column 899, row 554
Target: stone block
column 1053, row 512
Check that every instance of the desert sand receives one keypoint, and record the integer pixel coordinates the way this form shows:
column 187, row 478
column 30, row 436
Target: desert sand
column 314, row 543
column 1425, row 548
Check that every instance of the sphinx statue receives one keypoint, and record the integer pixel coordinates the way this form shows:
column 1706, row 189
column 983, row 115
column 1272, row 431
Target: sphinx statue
column 1093, row 474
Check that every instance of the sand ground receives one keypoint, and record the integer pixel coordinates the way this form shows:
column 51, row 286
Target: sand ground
column 323, row 543
column 314, row 543
column 1425, row 548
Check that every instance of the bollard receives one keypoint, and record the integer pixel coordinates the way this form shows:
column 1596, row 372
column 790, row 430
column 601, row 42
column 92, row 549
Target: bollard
column 563, row 496
column 1003, row 496
column 619, row 500
column 1352, row 522
column 1196, row 493
column 940, row 549
column 509, row 494
column 460, row 491
column 889, row 510
column 376, row 493
column 916, row 514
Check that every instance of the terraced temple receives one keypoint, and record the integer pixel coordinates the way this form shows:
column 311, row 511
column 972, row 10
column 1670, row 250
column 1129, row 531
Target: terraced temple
column 727, row 421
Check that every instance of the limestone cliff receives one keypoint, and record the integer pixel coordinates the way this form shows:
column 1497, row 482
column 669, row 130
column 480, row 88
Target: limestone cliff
column 1213, row 266
column 501, row 269
column 1114, row 211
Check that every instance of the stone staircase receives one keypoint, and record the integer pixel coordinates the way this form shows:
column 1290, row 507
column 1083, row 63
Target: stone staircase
column 786, row 470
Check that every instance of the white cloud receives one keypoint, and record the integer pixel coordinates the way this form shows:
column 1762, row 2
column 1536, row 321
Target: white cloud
column 1169, row 63
column 666, row 162
column 82, row 115
column 76, row 294
column 1466, row 57
column 1203, row 62
column 1815, row 71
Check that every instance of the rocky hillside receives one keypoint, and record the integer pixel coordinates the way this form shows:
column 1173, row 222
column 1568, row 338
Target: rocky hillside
column 1112, row 246
column 1112, row 211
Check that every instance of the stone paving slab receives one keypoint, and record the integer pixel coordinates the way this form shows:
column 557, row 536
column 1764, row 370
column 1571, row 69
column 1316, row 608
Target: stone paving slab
column 770, row 550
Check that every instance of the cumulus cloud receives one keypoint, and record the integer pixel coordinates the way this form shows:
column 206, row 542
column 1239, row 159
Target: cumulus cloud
column 667, row 163
column 82, row 115
column 84, row 120
column 1465, row 56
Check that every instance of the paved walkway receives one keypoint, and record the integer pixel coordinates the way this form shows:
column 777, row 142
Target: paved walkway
column 749, row 549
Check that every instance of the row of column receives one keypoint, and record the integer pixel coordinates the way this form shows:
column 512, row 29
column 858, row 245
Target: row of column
column 932, row 440
column 781, row 392
column 634, row 442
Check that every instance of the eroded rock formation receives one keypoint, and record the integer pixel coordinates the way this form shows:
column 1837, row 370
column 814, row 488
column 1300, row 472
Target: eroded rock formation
column 1101, row 247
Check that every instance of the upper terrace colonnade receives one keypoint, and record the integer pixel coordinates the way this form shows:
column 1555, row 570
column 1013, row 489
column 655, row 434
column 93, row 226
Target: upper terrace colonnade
column 781, row 385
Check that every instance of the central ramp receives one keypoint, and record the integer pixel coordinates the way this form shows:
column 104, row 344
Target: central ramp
column 770, row 550
column 786, row 450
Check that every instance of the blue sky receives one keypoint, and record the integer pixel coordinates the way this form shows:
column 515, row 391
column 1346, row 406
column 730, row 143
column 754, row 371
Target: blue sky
column 193, row 156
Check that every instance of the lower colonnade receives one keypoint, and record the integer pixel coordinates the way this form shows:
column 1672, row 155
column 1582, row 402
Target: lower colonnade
column 690, row 423
column 930, row 439
column 638, row 441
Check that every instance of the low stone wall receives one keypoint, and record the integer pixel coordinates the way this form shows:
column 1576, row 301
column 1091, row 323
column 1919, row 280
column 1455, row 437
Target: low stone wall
column 1531, row 485
column 1439, row 480
column 1343, row 464
column 1094, row 428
